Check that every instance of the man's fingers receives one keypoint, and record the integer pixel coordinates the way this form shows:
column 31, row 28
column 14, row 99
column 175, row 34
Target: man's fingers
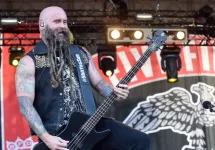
column 60, row 144
column 62, row 140
column 62, row 148
column 124, row 86
column 121, row 91
column 121, row 94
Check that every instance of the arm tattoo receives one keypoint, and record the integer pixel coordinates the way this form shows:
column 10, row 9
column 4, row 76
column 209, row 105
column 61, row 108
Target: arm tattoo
column 31, row 115
column 104, row 88
column 24, row 82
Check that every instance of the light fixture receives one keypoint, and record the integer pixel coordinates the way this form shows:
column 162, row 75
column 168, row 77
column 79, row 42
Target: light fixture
column 180, row 35
column 171, row 62
column 138, row 34
column 107, row 64
column 202, row 15
column 176, row 35
column 135, row 35
column 121, row 8
column 9, row 21
column 144, row 16
column 16, row 53
column 115, row 34
column 107, row 59
column 125, row 34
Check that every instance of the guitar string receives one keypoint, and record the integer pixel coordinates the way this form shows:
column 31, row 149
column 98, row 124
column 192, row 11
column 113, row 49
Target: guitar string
column 112, row 96
column 137, row 69
column 109, row 98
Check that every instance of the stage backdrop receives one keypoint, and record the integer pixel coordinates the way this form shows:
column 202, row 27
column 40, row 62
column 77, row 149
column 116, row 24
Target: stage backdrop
column 171, row 114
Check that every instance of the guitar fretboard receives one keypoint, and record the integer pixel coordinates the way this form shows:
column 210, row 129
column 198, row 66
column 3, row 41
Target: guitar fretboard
column 90, row 124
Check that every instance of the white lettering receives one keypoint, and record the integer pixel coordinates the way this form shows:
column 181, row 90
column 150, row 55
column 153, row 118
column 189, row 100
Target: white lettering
column 81, row 67
column 114, row 80
column 147, row 67
column 126, row 64
column 204, row 52
column 188, row 56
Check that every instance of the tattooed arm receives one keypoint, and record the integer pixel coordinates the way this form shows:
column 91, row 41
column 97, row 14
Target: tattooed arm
column 103, row 87
column 25, row 83
column 96, row 80
column 25, row 89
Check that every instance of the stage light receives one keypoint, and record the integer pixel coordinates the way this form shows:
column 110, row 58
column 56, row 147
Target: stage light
column 115, row 34
column 176, row 35
column 171, row 62
column 180, row 35
column 143, row 16
column 203, row 14
column 15, row 61
column 107, row 59
column 16, row 53
column 138, row 34
column 125, row 35
column 107, row 64
column 9, row 21
column 135, row 35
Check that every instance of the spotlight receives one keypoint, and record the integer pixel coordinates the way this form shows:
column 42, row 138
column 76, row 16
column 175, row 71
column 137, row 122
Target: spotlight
column 115, row 34
column 16, row 54
column 131, row 35
column 171, row 62
column 176, row 35
column 125, row 34
column 203, row 14
column 9, row 21
column 144, row 16
column 107, row 64
column 138, row 34
column 107, row 59
column 180, row 35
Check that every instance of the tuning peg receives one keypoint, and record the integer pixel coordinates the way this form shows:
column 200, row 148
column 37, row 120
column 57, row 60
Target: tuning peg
column 148, row 37
column 153, row 30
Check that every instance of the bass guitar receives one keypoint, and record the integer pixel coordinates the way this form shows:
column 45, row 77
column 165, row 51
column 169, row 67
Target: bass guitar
column 80, row 130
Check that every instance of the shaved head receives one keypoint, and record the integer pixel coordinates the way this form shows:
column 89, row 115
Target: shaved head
column 54, row 17
column 51, row 12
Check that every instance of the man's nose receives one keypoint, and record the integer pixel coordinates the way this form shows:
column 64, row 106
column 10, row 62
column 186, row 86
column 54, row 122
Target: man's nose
column 63, row 25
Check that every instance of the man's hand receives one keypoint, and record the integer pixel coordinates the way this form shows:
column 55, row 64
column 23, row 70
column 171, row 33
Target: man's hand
column 122, row 91
column 54, row 142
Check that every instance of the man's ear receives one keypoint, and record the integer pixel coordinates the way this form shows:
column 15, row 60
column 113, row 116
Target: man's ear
column 42, row 24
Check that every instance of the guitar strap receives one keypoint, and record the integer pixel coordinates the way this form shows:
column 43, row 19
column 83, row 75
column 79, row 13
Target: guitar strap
column 83, row 79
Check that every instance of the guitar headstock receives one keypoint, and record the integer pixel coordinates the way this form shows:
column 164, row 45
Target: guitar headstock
column 158, row 39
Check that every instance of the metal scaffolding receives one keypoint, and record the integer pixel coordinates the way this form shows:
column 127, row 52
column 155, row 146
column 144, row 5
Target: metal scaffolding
column 89, row 26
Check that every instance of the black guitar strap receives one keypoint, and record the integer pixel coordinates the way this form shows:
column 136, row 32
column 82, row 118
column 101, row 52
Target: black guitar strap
column 83, row 79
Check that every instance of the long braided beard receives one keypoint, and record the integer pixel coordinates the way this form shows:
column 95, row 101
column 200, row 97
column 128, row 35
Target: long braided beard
column 58, row 46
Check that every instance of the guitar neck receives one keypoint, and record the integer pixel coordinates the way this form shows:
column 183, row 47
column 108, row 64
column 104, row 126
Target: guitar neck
column 89, row 125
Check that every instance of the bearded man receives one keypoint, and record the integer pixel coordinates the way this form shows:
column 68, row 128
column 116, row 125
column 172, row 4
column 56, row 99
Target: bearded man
column 48, row 89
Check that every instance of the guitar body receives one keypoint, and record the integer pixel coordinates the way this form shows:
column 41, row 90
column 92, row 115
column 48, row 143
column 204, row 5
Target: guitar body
column 76, row 121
